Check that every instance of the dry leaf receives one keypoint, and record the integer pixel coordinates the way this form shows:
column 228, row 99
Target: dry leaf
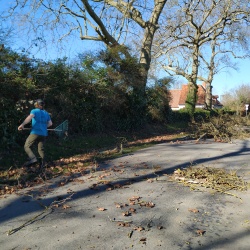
column 139, row 229
column 118, row 205
column 117, row 185
column 132, row 210
column 134, row 198
column 150, row 204
column 194, row 210
column 200, row 232
column 102, row 209
column 147, row 204
column 123, row 224
column 127, row 213
column 66, row 206
column 94, row 186
column 143, row 239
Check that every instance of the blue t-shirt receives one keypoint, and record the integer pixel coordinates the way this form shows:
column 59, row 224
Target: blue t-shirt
column 39, row 122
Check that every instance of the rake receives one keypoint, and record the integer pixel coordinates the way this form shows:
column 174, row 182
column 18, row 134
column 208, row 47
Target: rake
column 60, row 130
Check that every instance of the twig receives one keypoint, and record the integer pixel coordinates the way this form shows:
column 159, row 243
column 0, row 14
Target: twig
column 201, row 137
column 124, row 221
column 12, row 231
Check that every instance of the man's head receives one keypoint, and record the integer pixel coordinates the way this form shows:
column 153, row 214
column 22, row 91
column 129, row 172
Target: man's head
column 39, row 103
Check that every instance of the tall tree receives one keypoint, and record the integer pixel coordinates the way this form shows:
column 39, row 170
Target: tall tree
column 193, row 28
column 108, row 21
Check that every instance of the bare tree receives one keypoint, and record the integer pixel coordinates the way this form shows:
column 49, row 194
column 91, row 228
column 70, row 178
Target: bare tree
column 236, row 98
column 191, row 29
column 108, row 21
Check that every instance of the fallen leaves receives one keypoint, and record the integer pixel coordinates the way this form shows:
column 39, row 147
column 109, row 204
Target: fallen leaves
column 123, row 224
column 147, row 204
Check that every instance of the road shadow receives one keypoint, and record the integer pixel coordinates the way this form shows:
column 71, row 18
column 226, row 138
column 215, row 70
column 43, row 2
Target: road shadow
column 26, row 204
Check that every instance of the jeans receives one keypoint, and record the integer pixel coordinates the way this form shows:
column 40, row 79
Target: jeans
column 32, row 138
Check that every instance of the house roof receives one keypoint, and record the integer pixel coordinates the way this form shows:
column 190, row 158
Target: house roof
column 175, row 94
column 179, row 96
column 201, row 94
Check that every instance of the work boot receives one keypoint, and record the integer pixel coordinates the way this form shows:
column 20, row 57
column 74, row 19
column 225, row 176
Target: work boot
column 30, row 162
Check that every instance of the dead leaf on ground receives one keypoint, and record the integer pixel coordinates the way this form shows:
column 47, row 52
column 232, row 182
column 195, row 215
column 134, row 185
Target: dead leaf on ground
column 102, row 209
column 66, row 206
column 94, row 186
column 127, row 213
column 132, row 210
column 147, row 204
column 134, row 198
column 123, row 224
column 143, row 239
column 193, row 210
column 117, row 205
column 70, row 191
column 139, row 229
column 200, row 232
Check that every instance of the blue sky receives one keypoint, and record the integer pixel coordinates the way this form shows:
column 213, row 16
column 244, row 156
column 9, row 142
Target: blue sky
column 225, row 81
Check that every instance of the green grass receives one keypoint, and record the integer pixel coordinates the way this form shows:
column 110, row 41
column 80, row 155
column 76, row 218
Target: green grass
column 177, row 127
column 82, row 149
column 57, row 148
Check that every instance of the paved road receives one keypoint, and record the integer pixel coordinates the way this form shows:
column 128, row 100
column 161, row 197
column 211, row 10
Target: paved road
column 66, row 213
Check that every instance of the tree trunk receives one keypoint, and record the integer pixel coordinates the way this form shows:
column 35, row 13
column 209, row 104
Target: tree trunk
column 208, row 101
column 191, row 99
column 145, row 55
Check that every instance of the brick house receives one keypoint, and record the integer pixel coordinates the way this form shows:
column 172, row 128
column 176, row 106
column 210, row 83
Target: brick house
column 179, row 97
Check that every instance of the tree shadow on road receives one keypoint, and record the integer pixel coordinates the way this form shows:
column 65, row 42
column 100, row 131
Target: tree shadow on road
column 18, row 207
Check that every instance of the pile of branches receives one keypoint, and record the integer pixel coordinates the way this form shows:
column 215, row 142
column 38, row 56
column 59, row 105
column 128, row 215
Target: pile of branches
column 216, row 179
column 222, row 128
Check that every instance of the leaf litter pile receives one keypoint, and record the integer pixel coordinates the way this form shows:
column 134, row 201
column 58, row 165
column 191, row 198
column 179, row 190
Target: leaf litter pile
column 219, row 180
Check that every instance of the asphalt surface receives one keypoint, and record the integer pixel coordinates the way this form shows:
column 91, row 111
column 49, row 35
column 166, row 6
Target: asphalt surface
column 130, row 203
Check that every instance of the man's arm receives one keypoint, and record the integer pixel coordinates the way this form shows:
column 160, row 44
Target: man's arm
column 26, row 121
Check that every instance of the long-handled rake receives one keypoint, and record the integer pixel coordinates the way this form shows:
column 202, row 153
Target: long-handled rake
column 60, row 130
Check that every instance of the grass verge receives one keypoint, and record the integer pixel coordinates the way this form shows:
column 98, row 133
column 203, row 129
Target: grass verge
column 73, row 154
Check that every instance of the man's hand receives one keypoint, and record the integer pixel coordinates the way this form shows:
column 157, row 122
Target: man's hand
column 21, row 127
column 26, row 121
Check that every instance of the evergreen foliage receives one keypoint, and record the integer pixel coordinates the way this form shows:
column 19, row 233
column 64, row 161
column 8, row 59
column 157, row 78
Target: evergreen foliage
column 97, row 94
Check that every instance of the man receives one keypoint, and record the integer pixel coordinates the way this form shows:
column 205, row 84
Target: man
column 40, row 122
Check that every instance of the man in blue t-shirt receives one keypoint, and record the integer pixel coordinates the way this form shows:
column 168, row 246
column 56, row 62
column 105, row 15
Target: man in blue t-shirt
column 40, row 122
